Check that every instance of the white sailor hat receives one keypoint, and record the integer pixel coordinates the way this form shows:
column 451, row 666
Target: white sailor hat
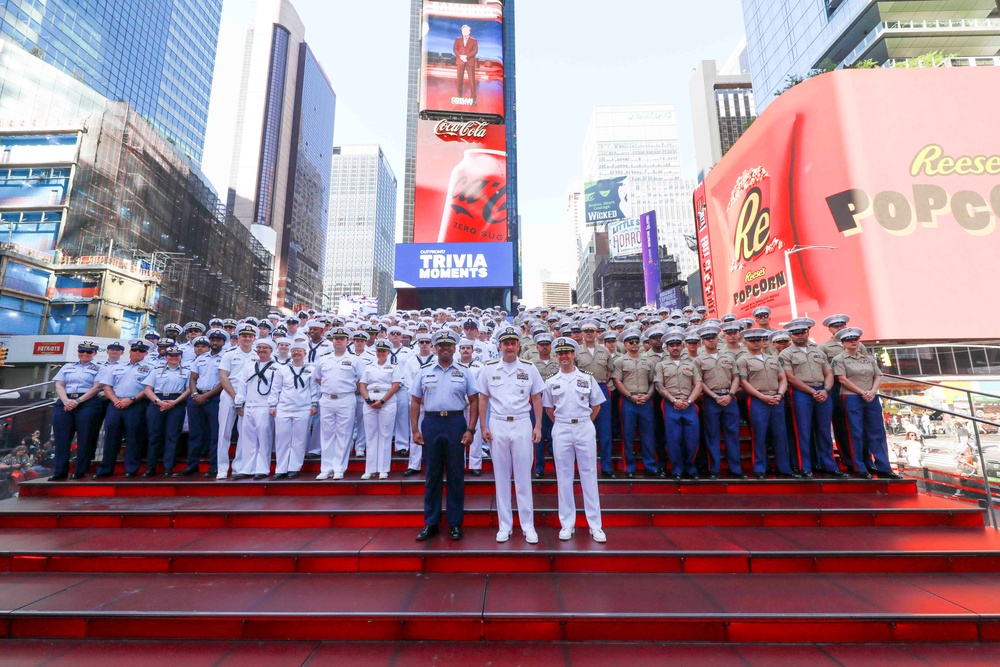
column 465, row 342
column 848, row 333
column 422, row 336
column 836, row 320
column 265, row 341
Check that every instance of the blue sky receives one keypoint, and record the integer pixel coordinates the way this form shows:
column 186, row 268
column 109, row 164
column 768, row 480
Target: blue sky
column 570, row 57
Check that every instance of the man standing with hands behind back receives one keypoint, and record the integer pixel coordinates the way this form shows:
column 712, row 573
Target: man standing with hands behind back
column 466, row 48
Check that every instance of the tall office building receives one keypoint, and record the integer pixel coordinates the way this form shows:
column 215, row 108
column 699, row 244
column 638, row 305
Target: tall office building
column 786, row 38
column 559, row 295
column 722, row 107
column 360, row 240
column 497, row 72
column 156, row 55
column 640, row 141
column 280, row 176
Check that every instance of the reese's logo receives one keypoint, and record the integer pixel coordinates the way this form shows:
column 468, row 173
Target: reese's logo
column 753, row 228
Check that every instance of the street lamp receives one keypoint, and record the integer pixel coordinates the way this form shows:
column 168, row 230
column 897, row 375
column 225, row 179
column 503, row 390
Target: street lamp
column 788, row 270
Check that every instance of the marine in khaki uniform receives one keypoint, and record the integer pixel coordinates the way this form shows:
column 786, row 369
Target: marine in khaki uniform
column 633, row 378
column 678, row 381
column 764, row 382
column 720, row 414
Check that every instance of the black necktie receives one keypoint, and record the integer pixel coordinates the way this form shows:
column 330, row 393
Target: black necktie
column 312, row 351
column 298, row 381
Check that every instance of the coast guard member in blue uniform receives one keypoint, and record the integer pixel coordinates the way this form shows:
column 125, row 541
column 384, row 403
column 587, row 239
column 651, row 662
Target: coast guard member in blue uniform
column 124, row 385
column 167, row 390
column 203, row 408
column 443, row 389
column 77, row 412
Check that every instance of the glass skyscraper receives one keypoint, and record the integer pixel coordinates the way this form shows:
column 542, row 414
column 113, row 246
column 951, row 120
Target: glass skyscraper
column 360, row 250
column 791, row 37
column 156, row 55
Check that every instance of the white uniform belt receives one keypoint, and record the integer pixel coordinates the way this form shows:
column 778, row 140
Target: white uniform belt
column 509, row 418
column 580, row 420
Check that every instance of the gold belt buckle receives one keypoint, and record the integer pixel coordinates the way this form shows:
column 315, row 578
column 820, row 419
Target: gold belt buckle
column 443, row 413
column 334, row 397
column 508, row 418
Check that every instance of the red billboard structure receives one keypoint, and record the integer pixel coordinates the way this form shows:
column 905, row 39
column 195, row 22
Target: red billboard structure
column 870, row 192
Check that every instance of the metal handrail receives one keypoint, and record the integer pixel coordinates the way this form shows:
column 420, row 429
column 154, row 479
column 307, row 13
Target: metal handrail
column 942, row 386
column 29, row 408
column 990, row 508
column 30, row 386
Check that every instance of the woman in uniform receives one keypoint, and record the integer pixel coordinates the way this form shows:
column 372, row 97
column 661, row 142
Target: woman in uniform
column 167, row 390
column 860, row 378
column 379, row 384
column 77, row 412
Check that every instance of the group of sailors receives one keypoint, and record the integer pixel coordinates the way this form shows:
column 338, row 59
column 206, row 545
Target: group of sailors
column 446, row 389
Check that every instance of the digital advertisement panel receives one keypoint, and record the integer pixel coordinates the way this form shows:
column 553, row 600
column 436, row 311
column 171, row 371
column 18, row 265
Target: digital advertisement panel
column 607, row 200
column 884, row 216
column 454, row 265
column 461, row 182
column 462, row 60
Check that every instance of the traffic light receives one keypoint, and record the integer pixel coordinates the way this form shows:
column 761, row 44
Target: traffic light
column 3, row 355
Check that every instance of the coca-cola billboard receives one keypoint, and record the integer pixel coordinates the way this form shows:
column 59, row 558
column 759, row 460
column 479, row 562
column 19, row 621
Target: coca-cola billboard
column 461, row 182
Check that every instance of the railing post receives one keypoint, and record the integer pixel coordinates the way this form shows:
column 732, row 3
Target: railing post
column 990, row 509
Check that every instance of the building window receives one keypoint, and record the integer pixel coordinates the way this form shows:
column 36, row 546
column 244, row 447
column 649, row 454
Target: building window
column 26, row 279
column 68, row 319
column 20, row 316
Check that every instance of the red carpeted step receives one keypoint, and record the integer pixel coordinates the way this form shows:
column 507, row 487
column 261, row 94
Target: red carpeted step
column 407, row 511
column 119, row 486
column 691, row 550
column 506, row 607
column 83, row 653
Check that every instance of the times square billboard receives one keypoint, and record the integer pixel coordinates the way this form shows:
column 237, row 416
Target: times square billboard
column 874, row 193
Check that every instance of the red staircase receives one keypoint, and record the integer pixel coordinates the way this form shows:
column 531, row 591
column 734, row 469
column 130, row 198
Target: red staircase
column 846, row 570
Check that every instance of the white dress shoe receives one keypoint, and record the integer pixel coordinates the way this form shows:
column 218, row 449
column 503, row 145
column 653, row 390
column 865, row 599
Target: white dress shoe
column 566, row 533
column 367, row 475
column 338, row 475
column 383, row 475
column 598, row 535
column 503, row 536
column 531, row 538
column 324, row 475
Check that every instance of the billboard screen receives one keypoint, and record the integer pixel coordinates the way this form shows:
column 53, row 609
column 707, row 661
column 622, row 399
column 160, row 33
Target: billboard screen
column 462, row 58
column 607, row 200
column 624, row 238
column 461, row 182
column 908, row 201
column 454, row 265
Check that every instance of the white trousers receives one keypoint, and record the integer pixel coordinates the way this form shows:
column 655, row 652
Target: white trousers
column 227, row 417
column 336, row 420
column 315, row 445
column 255, row 441
column 513, row 452
column 360, row 437
column 576, row 442
column 416, row 458
column 379, row 425
column 476, row 448
column 291, row 436
column 401, row 431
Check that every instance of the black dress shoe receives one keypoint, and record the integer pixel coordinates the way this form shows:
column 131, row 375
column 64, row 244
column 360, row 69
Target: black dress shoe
column 476, row 473
column 403, row 452
column 713, row 476
column 409, row 472
column 130, row 475
column 176, row 474
column 759, row 475
column 693, row 477
column 293, row 474
column 807, row 474
column 609, row 475
column 861, row 475
column 427, row 533
column 79, row 475
column 259, row 476
column 630, row 475
column 538, row 474
column 102, row 475
column 889, row 475
column 240, row 475
column 168, row 474
column 281, row 475
column 456, row 532
column 190, row 470
column 59, row 478
column 790, row 475
column 738, row 475
column 149, row 473
column 212, row 472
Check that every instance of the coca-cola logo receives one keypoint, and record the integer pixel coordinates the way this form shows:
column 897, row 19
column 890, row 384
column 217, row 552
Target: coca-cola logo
column 472, row 129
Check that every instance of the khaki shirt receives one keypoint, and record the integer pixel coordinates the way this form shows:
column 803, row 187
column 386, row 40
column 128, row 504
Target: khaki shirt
column 679, row 379
column 808, row 366
column 528, row 348
column 833, row 347
column 635, row 374
column 860, row 370
column 717, row 373
column 599, row 365
column 762, row 374
column 546, row 368
column 735, row 355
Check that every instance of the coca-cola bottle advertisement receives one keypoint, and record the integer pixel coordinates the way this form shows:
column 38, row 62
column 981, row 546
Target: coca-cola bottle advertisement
column 461, row 184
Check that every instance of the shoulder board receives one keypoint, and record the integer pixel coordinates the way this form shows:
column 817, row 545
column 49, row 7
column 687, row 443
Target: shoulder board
column 429, row 363
column 494, row 361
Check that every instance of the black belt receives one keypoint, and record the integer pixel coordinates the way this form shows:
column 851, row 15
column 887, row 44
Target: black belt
column 74, row 396
column 167, row 397
column 445, row 413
